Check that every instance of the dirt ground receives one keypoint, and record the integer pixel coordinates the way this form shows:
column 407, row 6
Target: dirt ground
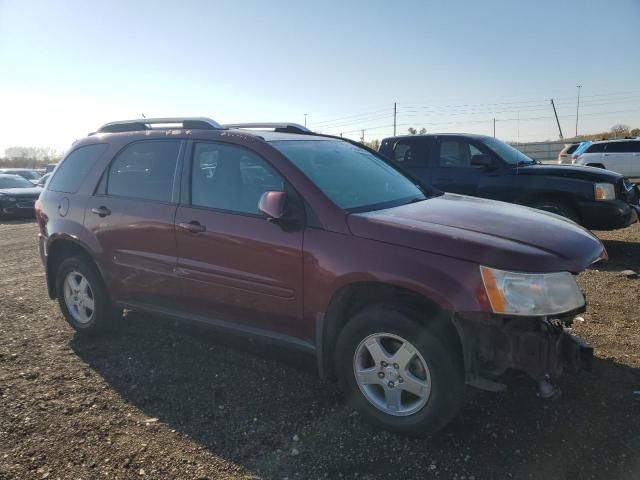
column 163, row 400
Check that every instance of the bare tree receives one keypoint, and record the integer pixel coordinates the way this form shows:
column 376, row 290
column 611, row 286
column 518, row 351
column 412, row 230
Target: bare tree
column 620, row 130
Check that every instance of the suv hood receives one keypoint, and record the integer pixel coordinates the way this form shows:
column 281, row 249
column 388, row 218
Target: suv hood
column 495, row 234
column 570, row 171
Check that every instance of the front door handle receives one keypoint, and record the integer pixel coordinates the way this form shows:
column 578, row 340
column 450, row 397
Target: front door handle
column 101, row 211
column 193, row 226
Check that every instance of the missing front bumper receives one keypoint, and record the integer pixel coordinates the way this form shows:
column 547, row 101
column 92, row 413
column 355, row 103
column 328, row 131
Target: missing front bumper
column 541, row 348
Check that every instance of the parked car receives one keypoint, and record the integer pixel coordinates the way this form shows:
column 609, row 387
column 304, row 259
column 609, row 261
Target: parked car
column 42, row 181
column 402, row 293
column 27, row 173
column 622, row 156
column 486, row 167
column 49, row 167
column 565, row 154
column 17, row 196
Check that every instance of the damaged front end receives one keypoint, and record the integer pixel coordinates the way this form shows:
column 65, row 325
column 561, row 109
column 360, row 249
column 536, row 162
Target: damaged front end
column 538, row 346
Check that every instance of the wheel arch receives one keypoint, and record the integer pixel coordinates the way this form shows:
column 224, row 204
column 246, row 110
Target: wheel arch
column 531, row 199
column 353, row 297
column 58, row 250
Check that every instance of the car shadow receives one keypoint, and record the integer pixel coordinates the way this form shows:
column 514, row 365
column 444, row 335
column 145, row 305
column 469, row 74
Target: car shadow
column 16, row 221
column 245, row 400
column 622, row 256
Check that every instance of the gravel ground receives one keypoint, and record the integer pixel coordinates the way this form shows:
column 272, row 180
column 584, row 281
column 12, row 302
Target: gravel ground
column 162, row 400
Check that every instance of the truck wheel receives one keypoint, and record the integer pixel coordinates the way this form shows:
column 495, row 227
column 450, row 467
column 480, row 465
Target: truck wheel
column 559, row 208
column 398, row 373
column 82, row 297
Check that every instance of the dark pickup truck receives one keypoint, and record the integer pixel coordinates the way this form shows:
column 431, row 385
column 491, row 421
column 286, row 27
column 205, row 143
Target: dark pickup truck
column 486, row 167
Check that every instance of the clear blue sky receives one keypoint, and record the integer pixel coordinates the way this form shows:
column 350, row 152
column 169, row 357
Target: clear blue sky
column 451, row 66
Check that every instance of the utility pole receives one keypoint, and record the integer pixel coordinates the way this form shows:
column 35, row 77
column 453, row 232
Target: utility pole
column 557, row 121
column 305, row 120
column 494, row 128
column 395, row 113
column 578, row 107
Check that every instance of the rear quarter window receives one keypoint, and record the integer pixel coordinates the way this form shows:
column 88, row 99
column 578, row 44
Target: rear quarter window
column 74, row 168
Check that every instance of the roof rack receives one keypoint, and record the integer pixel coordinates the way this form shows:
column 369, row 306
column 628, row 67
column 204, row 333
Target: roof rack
column 281, row 127
column 196, row 123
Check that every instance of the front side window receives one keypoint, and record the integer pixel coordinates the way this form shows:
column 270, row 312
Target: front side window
column 231, row 178
column 145, row 170
column 70, row 174
column 457, row 153
column 353, row 178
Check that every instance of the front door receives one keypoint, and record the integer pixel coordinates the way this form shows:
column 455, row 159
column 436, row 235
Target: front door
column 452, row 169
column 234, row 265
column 132, row 218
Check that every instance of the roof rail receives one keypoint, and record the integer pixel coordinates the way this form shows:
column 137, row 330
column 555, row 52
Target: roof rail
column 196, row 123
column 281, row 127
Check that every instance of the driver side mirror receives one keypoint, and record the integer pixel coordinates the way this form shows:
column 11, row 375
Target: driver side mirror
column 272, row 205
column 481, row 160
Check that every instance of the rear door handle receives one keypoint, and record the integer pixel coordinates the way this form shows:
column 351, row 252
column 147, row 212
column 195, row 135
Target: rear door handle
column 101, row 211
column 193, row 226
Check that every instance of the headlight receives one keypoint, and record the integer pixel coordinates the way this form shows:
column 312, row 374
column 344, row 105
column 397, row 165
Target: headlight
column 6, row 198
column 513, row 293
column 604, row 191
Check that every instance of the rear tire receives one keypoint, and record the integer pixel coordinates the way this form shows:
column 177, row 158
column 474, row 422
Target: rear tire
column 559, row 208
column 82, row 297
column 412, row 397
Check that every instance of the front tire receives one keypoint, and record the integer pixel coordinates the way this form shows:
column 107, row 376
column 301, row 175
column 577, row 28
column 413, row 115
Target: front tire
column 82, row 297
column 398, row 373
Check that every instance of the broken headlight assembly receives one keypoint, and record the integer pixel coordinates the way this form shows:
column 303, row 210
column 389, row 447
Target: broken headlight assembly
column 531, row 294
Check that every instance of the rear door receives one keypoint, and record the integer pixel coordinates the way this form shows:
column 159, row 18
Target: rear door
column 132, row 216
column 451, row 165
column 234, row 265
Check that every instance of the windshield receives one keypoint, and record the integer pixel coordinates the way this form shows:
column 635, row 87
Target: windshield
column 509, row 154
column 14, row 181
column 353, row 178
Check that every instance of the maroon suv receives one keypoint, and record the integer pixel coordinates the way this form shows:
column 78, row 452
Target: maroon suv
column 404, row 294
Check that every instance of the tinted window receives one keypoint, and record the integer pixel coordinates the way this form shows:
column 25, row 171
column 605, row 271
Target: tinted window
column 596, row 148
column 353, row 178
column 572, row 148
column 635, row 147
column 74, row 168
column 228, row 177
column 145, row 170
column 619, row 147
column 456, row 153
column 410, row 153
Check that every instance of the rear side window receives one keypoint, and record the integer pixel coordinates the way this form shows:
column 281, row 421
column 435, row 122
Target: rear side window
column 596, row 148
column 145, row 170
column 74, row 168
